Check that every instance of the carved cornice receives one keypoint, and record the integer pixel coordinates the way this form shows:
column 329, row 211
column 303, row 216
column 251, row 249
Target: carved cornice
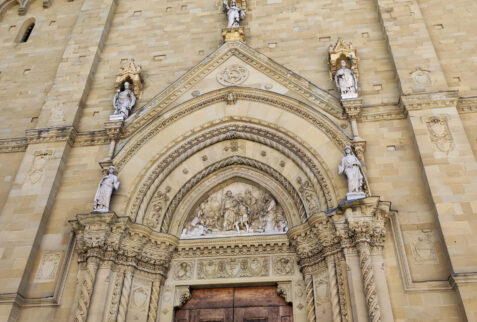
column 54, row 134
column 111, row 238
column 430, row 100
column 13, row 145
column 232, row 246
column 467, row 105
column 383, row 113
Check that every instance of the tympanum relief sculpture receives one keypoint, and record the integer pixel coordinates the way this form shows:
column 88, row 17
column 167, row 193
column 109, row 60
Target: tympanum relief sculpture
column 236, row 209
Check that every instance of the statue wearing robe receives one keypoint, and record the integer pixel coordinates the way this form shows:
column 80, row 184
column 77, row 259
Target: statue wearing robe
column 106, row 186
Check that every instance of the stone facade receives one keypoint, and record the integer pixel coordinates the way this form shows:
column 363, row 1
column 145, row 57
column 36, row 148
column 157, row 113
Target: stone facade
column 263, row 115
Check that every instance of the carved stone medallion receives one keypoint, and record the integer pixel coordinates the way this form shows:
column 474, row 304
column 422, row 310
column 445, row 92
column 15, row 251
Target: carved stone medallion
column 183, row 270
column 232, row 75
column 284, row 265
column 236, row 208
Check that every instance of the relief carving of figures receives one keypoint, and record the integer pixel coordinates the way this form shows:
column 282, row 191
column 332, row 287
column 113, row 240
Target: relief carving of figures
column 351, row 168
column 235, row 14
column 346, row 81
column 235, row 267
column 439, row 133
column 123, row 101
column 236, row 209
column 106, row 186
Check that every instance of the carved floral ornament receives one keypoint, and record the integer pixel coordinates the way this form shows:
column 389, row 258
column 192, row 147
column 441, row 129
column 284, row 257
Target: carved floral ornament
column 130, row 72
column 342, row 50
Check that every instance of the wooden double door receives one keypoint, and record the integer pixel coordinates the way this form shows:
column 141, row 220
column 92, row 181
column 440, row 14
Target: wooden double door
column 235, row 304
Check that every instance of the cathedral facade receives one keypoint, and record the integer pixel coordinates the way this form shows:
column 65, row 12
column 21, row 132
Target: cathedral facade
column 209, row 160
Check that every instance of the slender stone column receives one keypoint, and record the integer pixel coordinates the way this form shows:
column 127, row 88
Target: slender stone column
column 124, row 301
column 117, row 285
column 310, row 298
column 369, row 283
column 154, row 302
column 335, row 301
column 87, row 283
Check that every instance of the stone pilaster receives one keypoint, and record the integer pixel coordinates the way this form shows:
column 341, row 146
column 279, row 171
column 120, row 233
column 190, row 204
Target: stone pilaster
column 450, row 169
column 406, row 32
column 29, row 203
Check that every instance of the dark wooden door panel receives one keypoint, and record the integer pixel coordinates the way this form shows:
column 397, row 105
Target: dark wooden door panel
column 210, row 298
column 241, row 304
column 256, row 314
column 205, row 315
column 257, row 296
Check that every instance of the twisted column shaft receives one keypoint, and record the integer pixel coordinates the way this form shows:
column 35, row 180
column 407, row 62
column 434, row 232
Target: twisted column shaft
column 335, row 301
column 369, row 282
column 87, row 283
column 156, row 285
column 113, row 307
column 123, row 302
column 310, row 299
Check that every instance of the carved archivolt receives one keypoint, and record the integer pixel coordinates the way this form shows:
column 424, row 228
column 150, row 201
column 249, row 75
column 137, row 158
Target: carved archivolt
column 316, row 170
column 314, row 117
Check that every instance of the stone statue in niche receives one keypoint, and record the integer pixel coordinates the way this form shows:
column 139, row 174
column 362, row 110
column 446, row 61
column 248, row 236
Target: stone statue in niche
column 235, row 14
column 351, row 168
column 346, row 81
column 237, row 209
column 123, row 101
column 106, row 186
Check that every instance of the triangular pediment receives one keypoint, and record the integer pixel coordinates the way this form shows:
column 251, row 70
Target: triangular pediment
column 238, row 65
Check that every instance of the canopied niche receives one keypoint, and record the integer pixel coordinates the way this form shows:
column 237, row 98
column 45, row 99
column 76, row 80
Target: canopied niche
column 235, row 207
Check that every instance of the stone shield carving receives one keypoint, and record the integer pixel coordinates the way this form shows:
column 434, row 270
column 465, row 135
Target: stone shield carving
column 439, row 133
column 232, row 75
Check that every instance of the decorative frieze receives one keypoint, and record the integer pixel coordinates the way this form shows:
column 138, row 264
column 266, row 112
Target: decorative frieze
column 233, row 267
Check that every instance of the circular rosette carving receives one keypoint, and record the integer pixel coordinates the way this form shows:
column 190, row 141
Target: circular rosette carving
column 232, row 75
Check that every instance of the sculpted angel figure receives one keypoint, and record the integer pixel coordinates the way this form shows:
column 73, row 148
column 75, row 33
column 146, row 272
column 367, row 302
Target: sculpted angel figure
column 235, row 14
column 124, row 101
column 351, row 167
column 106, row 186
column 346, row 81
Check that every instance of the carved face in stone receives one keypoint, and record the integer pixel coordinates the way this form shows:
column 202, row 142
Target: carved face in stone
column 229, row 194
column 111, row 169
column 234, row 3
column 348, row 150
column 343, row 64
